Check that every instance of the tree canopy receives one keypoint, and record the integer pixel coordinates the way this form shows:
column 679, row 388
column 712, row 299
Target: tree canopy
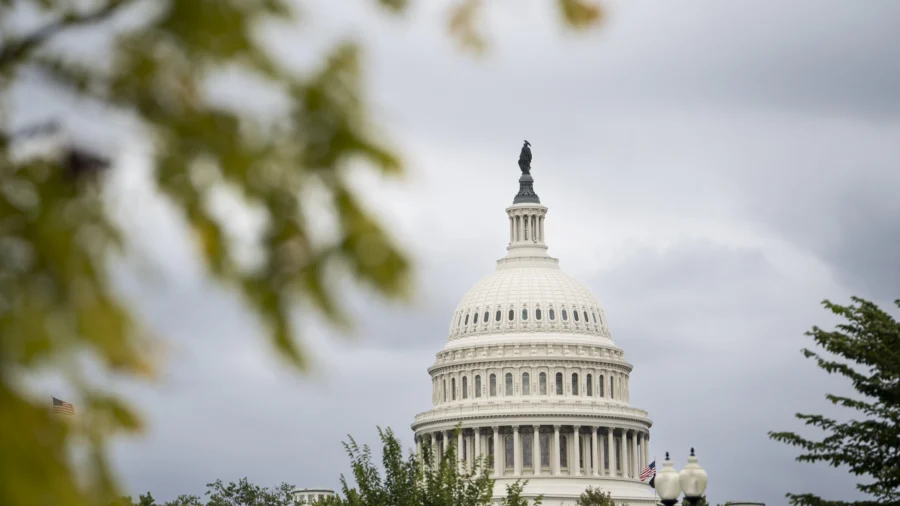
column 865, row 349
column 58, row 234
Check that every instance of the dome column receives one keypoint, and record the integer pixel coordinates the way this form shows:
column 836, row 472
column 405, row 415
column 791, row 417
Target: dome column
column 517, row 452
column 641, row 463
column 419, row 447
column 497, row 468
column 555, row 451
column 459, row 451
column 536, row 451
column 645, row 449
column 595, row 456
column 611, row 446
column 624, row 453
column 602, row 454
column 634, row 455
column 445, row 438
column 576, row 436
column 477, row 443
column 434, row 449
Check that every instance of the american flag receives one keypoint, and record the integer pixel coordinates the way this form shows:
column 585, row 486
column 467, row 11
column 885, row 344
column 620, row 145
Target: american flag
column 649, row 471
column 62, row 407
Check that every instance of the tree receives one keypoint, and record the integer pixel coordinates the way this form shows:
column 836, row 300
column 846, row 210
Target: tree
column 58, row 228
column 595, row 497
column 185, row 500
column 146, row 500
column 514, row 495
column 419, row 480
column 244, row 493
column 866, row 350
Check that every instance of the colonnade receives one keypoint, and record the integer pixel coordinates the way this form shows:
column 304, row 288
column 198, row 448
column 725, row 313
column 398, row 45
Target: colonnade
column 526, row 226
column 545, row 450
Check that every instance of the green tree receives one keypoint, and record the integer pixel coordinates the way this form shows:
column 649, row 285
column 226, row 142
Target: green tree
column 59, row 235
column 244, row 493
column 866, row 350
column 185, row 500
column 146, row 500
column 514, row 495
column 594, row 497
column 417, row 481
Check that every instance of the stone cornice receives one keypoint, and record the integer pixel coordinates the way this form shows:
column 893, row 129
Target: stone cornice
column 530, row 352
column 558, row 410
column 506, row 327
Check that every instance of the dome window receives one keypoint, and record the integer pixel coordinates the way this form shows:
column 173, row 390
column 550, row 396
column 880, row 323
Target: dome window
column 589, row 385
column 509, row 384
column 475, row 319
column 559, row 383
column 467, row 320
column 565, row 315
column 512, row 315
column 595, row 316
column 485, row 319
column 575, row 315
column 478, row 386
column 465, row 387
column 586, row 318
column 498, row 316
column 552, row 314
column 493, row 384
column 524, row 314
column 537, row 314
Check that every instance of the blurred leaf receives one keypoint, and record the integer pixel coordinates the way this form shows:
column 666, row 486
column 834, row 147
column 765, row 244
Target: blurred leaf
column 59, row 234
column 462, row 21
column 394, row 5
column 580, row 14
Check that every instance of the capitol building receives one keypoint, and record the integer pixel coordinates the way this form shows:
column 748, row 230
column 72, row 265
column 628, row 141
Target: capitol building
column 534, row 379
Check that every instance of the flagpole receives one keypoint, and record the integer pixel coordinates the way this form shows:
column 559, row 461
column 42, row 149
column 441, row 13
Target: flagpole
column 655, row 494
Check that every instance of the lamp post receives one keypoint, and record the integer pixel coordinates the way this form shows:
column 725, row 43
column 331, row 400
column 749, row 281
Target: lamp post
column 691, row 480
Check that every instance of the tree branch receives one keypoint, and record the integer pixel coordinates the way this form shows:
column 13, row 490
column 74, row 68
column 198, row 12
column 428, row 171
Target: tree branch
column 18, row 49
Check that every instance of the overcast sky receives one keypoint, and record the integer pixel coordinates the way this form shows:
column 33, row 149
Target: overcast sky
column 713, row 171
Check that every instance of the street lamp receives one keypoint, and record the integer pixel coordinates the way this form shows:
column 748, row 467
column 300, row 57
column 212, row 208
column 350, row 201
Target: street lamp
column 691, row 480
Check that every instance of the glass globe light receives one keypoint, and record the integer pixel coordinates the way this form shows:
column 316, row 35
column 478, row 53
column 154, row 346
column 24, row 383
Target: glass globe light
column 692, row 479
column 667, row 482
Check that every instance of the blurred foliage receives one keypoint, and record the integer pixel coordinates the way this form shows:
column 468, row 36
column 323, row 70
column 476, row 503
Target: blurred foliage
column 866, row 350
column 57, row 234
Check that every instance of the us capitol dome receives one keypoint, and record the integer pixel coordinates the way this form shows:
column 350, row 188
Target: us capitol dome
column 533, row 378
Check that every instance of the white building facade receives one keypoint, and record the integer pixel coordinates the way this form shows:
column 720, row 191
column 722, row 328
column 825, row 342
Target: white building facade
column 532, row 376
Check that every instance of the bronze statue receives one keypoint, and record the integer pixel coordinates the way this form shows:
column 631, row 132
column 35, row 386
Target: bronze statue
column 525, row 158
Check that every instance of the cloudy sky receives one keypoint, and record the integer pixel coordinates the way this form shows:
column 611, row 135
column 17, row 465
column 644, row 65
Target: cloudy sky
column 713, row 171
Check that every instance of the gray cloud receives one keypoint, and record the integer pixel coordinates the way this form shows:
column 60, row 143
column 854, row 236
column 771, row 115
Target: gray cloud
column 712, row 173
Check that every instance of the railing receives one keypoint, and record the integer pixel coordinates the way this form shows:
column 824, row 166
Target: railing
column 537, row 408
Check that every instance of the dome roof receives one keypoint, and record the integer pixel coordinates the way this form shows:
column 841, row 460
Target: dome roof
column 534, row 297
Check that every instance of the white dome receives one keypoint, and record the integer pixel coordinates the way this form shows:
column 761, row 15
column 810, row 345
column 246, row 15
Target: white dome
column 530, row 384
column 536, row 297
